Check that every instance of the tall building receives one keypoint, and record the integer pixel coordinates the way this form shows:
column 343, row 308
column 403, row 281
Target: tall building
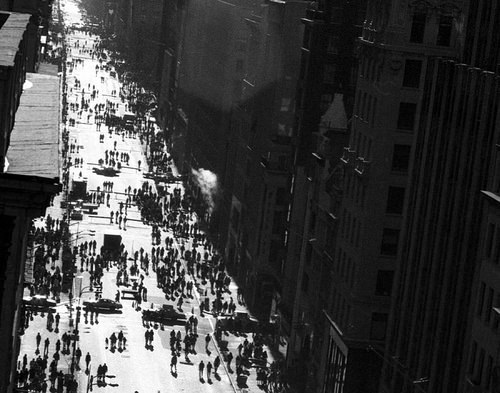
column 482, row 369
column 260, row 151
column 169, row 116
column 324, row 105
column 397, row 39
column 29, row 174
column 208, row 76
column 448, row 286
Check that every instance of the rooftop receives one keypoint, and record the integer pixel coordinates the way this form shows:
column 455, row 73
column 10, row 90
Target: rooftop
column 34, row 142
column 12, row 27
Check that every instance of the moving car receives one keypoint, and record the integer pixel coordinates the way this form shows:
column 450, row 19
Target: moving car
column 166, row 314
column 102, row 304
column 38, row 302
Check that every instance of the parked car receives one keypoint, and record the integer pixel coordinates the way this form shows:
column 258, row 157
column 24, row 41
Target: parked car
column 39, row 302
column 103, row 304
column 166, row 315
column 242, row 321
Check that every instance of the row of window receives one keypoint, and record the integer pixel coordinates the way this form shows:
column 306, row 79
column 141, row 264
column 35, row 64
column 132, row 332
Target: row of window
column 411, row 76
column 366, row 108
column 341, row 311
column 350, row 227
column 419, row 22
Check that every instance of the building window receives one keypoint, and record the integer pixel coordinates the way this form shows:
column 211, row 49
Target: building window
column 384, row 282
column 389, row 244
column 395, row 200
column 378, row 326
column 418, row 27
column 401, row 158
column 406, row 117
column 413, row 69
column 444, row 31
column 239, row 65
column 329, row 73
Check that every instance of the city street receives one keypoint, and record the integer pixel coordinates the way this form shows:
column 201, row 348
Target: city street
column 136, row 368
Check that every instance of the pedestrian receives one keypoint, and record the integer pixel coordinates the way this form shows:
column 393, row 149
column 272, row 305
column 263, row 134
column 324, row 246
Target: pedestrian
column 173, row 363
column 46, row 347
column 58, row 317
column 207, row 342
column 99, row 374
column 113, row 340
column 209, row 370
column 229, row 359
column 38, row 340
column 88, row 358
column 201, row 368
column 104, row 371
column 216, row 364
column 78, row 354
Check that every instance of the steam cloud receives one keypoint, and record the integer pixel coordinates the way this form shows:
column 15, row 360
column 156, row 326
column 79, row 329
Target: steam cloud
column 207, row 181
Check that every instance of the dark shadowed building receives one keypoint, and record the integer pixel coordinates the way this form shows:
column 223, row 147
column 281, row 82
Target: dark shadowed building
column 29, row 172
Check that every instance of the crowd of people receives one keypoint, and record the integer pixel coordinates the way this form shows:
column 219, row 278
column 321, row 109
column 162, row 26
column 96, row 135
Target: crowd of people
column 184, row 261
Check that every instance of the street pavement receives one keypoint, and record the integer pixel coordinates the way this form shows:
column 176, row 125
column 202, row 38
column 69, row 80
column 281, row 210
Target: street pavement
column 136, row 368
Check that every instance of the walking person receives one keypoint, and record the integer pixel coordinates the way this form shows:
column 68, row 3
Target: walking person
column 38, row 340
column 229, row 359
column 78, row 354
column 88, row 358
column 209, row 370
column 201, row 368
column 173, row 363
column 207, row 342
column 216, row 364
column 46, row 347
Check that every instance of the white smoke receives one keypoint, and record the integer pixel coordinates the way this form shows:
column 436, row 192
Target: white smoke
column 207, row 181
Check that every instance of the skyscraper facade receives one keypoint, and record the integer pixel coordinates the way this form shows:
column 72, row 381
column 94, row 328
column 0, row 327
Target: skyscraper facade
column 397, row 40
column 443, row 334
